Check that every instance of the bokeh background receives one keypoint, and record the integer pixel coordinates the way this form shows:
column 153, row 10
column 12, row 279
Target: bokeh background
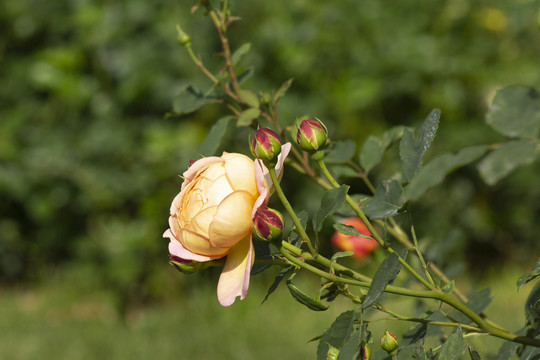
column 89, row 162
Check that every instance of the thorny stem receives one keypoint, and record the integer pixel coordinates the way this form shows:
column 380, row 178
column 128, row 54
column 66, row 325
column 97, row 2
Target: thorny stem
column 296, row 257
column 370, row 227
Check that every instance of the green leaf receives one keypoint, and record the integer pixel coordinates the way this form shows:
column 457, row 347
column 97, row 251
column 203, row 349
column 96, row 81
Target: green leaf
column 392, row 135
column 342, row 152
column 478, row 302
column 249, row 98
column 515, row 112
column 371, row 153
column 294, row 238
column 213, row 140
column 240, row 52
column 434, row 172
column 387, row 201
column 283, row 274
column 337, row 334
column 385, row 274
column 330, row 203
column 412, row 151
column 532, row 306
column 414, row 351
column 351, row 348
column 247, row 116
column 350, row 230
column 189, row 100
column 282, row 90
column 304, row 299
column 530, row 353
column 506, row 351
column 503, row 160
column 341, row 254
column 454, row 347
column 473, row 354
column 245, row 75
column 529, row 276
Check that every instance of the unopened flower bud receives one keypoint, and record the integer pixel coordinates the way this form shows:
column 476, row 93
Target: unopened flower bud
column 183, row 38
column 185, row 266
column 332, row 353
column 267, row 224
column 389, row 342
column 365, row 352
column 266, row 145
column 311, row 135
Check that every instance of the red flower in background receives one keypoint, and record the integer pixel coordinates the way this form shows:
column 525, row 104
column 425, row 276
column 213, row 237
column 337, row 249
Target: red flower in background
column 361, row 246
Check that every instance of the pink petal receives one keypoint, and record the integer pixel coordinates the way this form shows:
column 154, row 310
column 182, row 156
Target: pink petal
column 176, row 249
column 234, row 279
column 285, row 149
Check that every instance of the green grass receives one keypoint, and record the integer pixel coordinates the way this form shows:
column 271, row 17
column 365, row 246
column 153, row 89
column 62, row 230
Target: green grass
column 62, row 321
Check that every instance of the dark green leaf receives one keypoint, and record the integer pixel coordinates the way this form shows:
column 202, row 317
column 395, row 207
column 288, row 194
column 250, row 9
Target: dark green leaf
column 349, row 230
column 330, row 203
column 529, row 276
column 351, row 348
column 392, row 135
column 434, row 172
column 283, row 274
column 294, row 238
column 282, row 90
column 245, row 75
column 342, row 152
column 387, row 201
column 412, row 151
column 530, row 353
column 507, row 350
column 336, row 335
column 249, row 98
column 532, row 305
column 453, row 347
column 240, row 52
column 473, row 354
column 515, row 112
column 385, row 274
column 371, row 153
column 190, row 99
column 503, row 160
column 247, row 116
column 414, row 351
column 213, row 140
column 305, row 299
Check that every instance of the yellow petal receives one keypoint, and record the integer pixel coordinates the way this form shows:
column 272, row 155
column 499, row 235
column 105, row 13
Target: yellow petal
column 240, row 171
column 201, row 222
column 234, row 279
column 232, row 221
column 218, row 190
column 199, row 244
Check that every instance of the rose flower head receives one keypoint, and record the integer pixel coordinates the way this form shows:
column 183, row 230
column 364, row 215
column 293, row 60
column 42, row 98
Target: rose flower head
column 266, row 145
column 211, row 216
column 268, row 224
column 311, row 135
column 361, row 246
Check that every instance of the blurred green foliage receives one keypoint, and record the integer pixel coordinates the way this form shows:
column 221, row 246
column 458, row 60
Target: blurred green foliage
column 89, row 162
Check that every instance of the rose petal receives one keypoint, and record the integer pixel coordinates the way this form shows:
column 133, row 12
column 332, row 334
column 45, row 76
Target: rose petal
column 234, row 279
column 201, row 222
column 198, row 166
column 176, row 249
column 199, row 244
column 285, row 149
column 232, row 220
column 237, row 169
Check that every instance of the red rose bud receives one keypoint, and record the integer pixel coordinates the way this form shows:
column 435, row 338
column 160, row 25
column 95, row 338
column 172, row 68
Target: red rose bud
column 266, row 145
column 311, row 135
column 389, row 342
column 185, row 266
column 267, row 224
column 332, row 353
column 361, row 246
column 365, row 352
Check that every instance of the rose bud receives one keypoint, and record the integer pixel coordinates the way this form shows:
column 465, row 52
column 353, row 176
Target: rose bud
column 361, row 246
column 311, row 135
column 332, row 353
column 365, row 352
column 266, row 145
column 389, row 342
column 267, row 224
column 185, row 266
